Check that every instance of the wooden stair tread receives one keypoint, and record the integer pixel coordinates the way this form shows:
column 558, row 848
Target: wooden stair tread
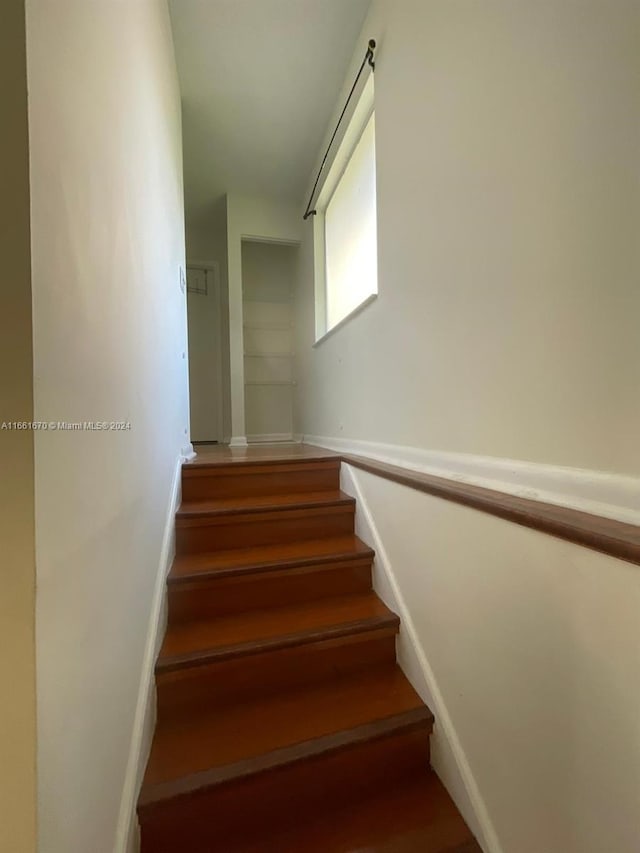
column 265, row 557
column 284, row 720
column 223, row 738
column 416, row 817
column 262, row 503
column 217, row 457
column 219, row 638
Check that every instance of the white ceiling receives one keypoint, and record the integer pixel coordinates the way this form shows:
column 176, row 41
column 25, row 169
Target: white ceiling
column 259, row 80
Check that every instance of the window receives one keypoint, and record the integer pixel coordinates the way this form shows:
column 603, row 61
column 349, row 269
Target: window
column 345, row 228
column 350, row 233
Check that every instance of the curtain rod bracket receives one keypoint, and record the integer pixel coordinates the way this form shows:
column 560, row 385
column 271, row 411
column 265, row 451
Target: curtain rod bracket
column 370, row 49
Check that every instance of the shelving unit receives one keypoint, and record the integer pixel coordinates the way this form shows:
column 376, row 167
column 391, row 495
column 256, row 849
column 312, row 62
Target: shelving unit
column 268, row 370
column 268, row 341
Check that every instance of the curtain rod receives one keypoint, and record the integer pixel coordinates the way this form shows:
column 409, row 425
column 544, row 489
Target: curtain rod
column 368, row 59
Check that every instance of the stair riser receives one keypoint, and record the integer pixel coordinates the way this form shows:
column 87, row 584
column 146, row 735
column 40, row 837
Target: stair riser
column 203, row 599
column 269, row 672
column 215, row 820
column 250, row 481
column 244, row 530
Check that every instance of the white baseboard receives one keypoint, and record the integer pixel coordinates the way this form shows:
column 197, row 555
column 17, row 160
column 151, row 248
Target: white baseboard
column 188, row 453
column 608, row 495
column 238, row 441
column 269, row 437
column 448, row 757
column 127, row 833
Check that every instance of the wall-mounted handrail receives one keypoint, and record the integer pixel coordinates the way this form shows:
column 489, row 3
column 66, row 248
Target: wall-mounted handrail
column 619, row 539
column 368, row 60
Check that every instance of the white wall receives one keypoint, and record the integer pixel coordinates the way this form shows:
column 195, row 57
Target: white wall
column 250, row 217
column 508, row 211
column 505, row 326
column 109, row 345
column 534, row 647
column 17, row 560
column 268, row 272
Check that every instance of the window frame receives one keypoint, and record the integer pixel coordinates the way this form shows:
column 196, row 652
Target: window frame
column 357, row 123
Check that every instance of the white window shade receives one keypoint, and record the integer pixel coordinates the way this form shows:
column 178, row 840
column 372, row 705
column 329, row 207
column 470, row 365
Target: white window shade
column 350, row 233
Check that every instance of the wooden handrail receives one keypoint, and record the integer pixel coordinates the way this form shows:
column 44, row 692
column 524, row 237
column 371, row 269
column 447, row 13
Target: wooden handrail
column 609, row 536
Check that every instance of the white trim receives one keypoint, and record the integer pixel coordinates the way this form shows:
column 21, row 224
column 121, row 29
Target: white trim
column 448, row 757
column 238, row 441
column 354, row 311
column 188, row 453
column 608, row 495
column 127, row 832
column 319, row 276
column 270, row 437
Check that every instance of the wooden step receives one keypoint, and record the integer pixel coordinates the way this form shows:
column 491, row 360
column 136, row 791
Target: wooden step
column 263, row 454
column 259, row 478
column 418, row 816
column 197, row 643
column 283, row 721
column 252, row 762
column 244, row 505
column 267, row 557
column 238, row 731
column 264, row 674
column 206, row 585
column 262, row 651
column 220, row 525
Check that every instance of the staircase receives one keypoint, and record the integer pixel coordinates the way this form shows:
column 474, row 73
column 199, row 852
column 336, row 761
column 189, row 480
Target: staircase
column 284, row 722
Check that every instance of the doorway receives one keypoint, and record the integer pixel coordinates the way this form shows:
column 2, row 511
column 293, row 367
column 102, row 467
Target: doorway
column 268, row 276
column 205, row 355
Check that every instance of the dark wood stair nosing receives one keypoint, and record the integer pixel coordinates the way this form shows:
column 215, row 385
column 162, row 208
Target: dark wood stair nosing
column 252, row 647
column 402, row 723
column 363, row 556
column 234, row 464
column 194, row 512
